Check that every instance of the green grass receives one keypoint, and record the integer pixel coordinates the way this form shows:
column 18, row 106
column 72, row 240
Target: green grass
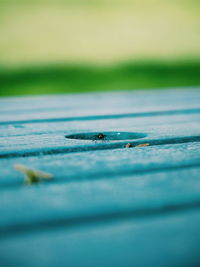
column 80, row 78
column 158, row 41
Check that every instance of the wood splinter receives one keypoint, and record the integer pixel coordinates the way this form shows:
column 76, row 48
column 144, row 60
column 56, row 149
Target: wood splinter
column 33, row 176
column 142, row 145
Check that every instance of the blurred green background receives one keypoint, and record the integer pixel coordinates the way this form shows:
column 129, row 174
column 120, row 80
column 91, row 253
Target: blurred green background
column 61, row 46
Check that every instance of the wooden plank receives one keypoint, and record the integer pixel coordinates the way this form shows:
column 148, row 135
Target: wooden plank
column 56, row 143
column 92, row 165
column 165, row 240
column 73, row 106
column 35, row 208
column 46, row 102
column 101, row 124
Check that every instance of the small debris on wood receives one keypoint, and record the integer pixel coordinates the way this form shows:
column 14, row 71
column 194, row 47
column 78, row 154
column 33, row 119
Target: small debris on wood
column 142, row 145
column 33, row 176
column 128, row 145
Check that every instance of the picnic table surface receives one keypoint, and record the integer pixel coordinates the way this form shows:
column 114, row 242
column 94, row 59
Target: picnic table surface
column 126, row 179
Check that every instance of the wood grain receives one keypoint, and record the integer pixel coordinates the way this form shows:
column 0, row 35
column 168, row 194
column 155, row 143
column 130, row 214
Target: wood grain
column 108, row 204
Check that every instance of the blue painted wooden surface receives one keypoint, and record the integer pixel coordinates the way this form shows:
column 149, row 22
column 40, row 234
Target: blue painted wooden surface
column 107, row 205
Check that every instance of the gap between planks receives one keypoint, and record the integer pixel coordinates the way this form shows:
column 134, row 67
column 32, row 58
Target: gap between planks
column 112, row 116
column 104, row 146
